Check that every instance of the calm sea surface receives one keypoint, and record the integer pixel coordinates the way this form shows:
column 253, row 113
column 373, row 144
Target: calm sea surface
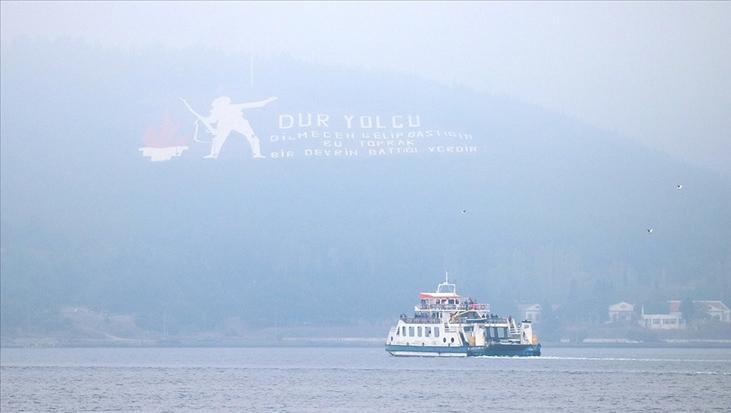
column 361, row 379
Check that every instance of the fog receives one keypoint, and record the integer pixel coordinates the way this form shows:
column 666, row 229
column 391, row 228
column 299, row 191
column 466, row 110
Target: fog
column 405, row 141
column 653, row 72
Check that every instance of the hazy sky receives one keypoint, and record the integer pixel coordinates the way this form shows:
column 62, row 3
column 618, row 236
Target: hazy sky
column 654, row 72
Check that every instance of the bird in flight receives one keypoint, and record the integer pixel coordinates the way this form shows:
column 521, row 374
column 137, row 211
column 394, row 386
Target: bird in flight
column 650, row 230
column 678, row 187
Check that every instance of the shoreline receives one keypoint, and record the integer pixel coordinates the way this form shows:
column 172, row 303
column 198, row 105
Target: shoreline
column 328, row 343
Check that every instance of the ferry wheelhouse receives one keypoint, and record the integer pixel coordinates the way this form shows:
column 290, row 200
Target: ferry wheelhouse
column 447, row 324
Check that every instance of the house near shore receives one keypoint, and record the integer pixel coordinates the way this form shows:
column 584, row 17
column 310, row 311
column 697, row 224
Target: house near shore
column 713, row 309
column 662, row 316
column 531, row 312
column 621, row 312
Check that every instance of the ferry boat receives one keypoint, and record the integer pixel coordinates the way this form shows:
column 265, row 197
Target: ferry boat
column 447, row 325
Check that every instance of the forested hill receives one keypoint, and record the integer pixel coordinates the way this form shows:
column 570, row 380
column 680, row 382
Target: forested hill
column 371, row 187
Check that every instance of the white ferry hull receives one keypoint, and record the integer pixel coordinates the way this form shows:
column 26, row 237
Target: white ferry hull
column 504, row 350
column 400, row 353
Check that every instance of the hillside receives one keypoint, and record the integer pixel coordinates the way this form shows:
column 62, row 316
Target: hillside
column 517, row 203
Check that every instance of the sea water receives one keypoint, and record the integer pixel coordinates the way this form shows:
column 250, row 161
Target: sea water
column 283, row 379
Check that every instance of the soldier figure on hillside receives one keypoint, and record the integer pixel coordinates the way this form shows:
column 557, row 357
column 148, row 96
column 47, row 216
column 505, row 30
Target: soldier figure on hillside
column 228, row 118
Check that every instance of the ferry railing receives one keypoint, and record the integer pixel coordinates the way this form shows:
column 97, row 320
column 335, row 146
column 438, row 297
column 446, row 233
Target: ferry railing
column 489, row 321
column 478, row 307
column 420, row 320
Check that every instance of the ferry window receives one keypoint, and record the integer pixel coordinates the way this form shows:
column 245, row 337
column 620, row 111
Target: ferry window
column 418, row 331
column 436, row 331
column 452, row 339
column 427, row 331
column 411, row 331
column 398, row 330
column 403, row 331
